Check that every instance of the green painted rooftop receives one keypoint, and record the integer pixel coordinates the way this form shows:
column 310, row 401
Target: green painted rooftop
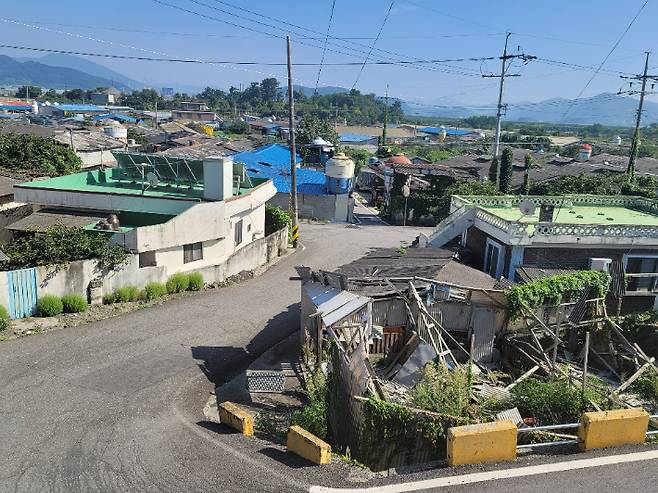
column 99, row 182
column 581, row 214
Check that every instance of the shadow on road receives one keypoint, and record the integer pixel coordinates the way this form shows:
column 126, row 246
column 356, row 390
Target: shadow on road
column 287, row 458
column 221, row 363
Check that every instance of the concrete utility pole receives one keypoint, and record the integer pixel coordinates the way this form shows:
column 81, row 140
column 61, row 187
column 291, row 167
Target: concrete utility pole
column 502, row 108
column 385, row 118
column 293, row 153
column 630, row 170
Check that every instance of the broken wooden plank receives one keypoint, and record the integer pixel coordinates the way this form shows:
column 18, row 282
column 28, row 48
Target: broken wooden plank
column 633, row 377
column 527, row 374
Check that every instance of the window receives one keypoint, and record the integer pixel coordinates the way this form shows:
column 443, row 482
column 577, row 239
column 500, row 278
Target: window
column 493, row 259
column 238, row 232
column 192, row 252
column 641, row 265
column 147, row 259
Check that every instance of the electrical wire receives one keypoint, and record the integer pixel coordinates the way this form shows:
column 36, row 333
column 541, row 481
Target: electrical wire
column 614, row 46
column 324, row 50
column 379, row 33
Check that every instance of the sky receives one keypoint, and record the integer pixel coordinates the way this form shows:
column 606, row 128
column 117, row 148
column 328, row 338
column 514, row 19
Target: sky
column 564, row 31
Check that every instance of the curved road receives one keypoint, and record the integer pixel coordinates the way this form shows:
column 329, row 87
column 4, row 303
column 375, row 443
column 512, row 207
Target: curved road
column 116, row 405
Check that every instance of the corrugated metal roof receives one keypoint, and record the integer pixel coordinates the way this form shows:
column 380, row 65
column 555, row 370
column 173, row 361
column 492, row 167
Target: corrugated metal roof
column 273, row 162
column 347, row 137
column 334, row 304
column 79, row 107
column 454, row 132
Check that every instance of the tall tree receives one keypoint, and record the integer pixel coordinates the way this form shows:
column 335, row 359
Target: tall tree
column 493, row 171
column 527, row 164
column 28, row 91
column 506, row 162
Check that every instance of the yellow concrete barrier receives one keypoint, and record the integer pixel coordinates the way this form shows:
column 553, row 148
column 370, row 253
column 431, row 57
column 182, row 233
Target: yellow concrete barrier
column 232, row 415
column 480, row 443
column 308, row 446
column 612, row 428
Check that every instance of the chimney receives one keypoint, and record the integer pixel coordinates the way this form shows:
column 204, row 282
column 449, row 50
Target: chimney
column 217, row 178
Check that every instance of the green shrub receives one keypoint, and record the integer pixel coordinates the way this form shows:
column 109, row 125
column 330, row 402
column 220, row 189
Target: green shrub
column 553, row 401
column 178, row 283
column 196, row 281
column 442, row 391
column 312, row 417
column 647, row 387
column 74, row 303
column 275, row 219
column 155, row 290
column 109, row 298
column 126, row 294
column 49, row 306
column 5, row 321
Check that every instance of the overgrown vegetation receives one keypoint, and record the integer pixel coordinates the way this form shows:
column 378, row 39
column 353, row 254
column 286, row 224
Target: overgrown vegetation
column 74, row 303
column 196, row 281
column 275, row 219
column 49, row 306
column 313, row 415
column 126, row 294
column 442, row 390
column 597, row 184
column 37, row 155
column 59, row 245
column 5, row 320
column 554, row 290
column 553, row 401
column 647, row 387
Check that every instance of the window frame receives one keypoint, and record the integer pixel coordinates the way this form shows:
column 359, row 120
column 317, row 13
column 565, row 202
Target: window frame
column 238, row 236
column 192, row 252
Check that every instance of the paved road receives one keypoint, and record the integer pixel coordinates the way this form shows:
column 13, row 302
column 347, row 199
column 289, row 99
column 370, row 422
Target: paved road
column 116, row 405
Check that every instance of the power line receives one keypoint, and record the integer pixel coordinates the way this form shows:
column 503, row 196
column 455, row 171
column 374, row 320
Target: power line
column 379, row 33
column 234, row 62
column 324, row 50
column 614, row 46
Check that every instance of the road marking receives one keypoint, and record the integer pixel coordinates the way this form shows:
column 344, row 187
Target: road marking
column 493, row 475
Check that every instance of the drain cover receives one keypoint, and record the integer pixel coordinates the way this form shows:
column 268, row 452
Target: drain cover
column 265, row 381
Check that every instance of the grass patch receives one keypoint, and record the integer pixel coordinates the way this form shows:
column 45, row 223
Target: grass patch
column 74, row 303
column 178, row 283
column 49, row 306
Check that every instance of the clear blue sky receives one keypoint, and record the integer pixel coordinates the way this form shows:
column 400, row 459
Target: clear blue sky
column 584, row 31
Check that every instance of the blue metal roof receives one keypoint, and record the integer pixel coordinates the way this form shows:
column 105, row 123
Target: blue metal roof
column 273, row 161
column 16, row 107
column 356, row 137
column 117, row 117
column 79, row 107
column 454, row 132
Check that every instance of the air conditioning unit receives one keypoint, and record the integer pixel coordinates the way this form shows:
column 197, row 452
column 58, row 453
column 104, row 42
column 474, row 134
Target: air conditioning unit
column 600, row 264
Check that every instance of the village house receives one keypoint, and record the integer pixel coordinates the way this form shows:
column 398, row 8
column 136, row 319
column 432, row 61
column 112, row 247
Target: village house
column 524, row 238
column 193, row 111
column 172, row 215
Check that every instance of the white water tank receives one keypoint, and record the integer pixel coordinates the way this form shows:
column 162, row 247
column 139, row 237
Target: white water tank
column 339, row 171
column 442, row 133
column 116, row 132
column 35, row 107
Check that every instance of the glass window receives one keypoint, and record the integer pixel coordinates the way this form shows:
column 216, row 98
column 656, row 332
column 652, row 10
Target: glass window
column 238, row 232
column 192, row 252
column 147, row 259
column 641, row 265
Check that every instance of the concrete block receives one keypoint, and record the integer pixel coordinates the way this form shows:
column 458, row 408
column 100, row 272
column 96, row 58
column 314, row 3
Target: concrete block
column 232, row 415
column 480, row 443
column 308, row 446
column 612, row 428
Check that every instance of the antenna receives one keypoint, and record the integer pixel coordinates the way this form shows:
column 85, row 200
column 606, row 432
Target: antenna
column 527, row 207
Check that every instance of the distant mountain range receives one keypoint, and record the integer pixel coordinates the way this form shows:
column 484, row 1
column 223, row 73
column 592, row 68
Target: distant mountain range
column 64, row 71
column 605, row 108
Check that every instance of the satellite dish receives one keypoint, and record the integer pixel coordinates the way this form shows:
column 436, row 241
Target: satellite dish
column 152, row 179
column 527, row 207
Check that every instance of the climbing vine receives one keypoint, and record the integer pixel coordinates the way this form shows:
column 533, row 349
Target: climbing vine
column 554, row 290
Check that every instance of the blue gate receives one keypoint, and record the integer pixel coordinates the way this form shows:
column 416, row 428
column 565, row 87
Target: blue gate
column 22, row 286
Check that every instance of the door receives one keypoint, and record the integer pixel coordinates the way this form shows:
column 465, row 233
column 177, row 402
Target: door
column 484, row 331
column 22, row 292
column 493, row 259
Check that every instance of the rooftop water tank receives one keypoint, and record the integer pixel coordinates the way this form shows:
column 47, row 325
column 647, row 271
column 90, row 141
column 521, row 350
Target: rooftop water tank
column 442, row 133
column 585, row 152
column 339, row 171
column 35, row 107
column 116, row 132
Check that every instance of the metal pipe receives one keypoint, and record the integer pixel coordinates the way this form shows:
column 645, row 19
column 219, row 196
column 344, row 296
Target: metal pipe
column 652, row 432
column 548, row 427
column 548, row 444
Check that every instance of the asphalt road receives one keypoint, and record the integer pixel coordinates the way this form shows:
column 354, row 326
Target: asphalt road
column 117, row 405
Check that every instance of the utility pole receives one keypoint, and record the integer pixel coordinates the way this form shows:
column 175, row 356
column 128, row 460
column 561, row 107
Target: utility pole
column 293, row 153
column 630, row 170
column 502, row 108
column 385, row 118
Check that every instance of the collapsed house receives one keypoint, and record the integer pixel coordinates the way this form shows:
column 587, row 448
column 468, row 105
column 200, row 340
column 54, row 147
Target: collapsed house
column 381, row 319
